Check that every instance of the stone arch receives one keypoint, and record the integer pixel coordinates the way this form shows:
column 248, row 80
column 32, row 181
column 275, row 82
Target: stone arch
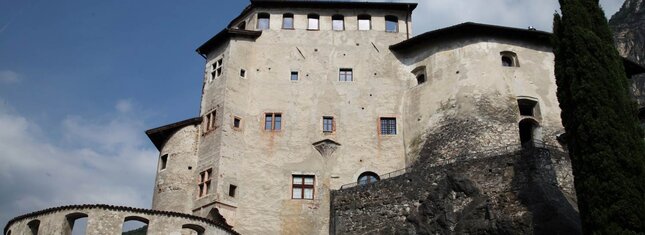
column 530, row 132
column 214, row 215
column 34, row 226
column 139, row 219
column 420, row 74
column 509, row 59
column 367, row 177
column 70, row 220
column 193, row 229
column 9, row 232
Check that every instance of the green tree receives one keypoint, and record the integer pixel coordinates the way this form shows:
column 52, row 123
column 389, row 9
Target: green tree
column 604, row 138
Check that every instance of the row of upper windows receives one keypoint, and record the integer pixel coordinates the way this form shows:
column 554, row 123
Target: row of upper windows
column 313, row 22
column 274, row 122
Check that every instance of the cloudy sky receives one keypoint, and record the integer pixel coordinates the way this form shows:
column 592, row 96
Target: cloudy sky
column 80, row 82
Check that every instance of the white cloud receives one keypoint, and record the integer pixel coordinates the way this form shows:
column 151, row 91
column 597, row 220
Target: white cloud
column 105, row 160
column 8, row 76
column 124, row 106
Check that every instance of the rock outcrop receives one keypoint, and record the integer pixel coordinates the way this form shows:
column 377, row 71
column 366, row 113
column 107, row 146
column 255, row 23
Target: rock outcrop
column 628, row 26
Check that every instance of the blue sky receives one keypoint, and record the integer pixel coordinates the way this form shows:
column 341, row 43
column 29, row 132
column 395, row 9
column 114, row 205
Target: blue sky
column 80, row 82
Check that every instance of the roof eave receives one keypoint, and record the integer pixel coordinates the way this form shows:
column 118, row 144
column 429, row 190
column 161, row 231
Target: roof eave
column 224, row 36
column 160, row 135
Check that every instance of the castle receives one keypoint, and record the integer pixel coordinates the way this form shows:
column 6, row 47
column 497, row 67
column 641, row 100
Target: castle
column 302, row 98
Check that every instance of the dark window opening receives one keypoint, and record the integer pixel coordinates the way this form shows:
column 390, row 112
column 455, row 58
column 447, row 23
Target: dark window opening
column 346, row 75
column 287, row 21
column 338, row 22
column 242, row 73
column 294, row 75
column 421, row 78
column 509, row 59
column 76, row 223
column 388, row 126
column 303, row 187
column 313, row 22
column 368, row 178
column 231, row 190
column 163, row 162
column 273, row 121
column 528, row 129
column 641, row 115
column 263, row 21
column 328, row 124
column 236, row 122
column 204, row 183
column 34, row 226
column 527, row 107
column 391, row 24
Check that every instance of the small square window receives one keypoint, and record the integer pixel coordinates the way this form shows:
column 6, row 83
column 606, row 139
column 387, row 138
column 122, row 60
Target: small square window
column 273, row 121
column 346, row 75
column 388, row 126
column 236, row 122
column 303, row 187
column 231, row 190
column 294, row 75
column 527, row 107
column 328, row 124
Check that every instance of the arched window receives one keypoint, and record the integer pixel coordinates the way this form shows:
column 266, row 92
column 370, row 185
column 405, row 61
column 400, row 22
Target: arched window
column 509, row 59
column 338, row 22
column 391, row 24
column 368, row 177
column 192, row 229
column 135, row 225
column 313, row 22
column 76, row 224
column 242, row 25
column 287, row 21
column 33, row 226
column 364, row 22
column 420, row 74
column 263, row 21
column 529, row 132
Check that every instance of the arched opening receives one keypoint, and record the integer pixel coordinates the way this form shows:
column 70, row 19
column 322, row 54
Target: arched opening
column 33, row 226
column 135, row 225
column 9, row 232
column 287, row 21
column 214, row 215
column 364, row 22
column 509, row 59
column 420, row 74
column 76, row 224
column 263, row 21
column 338, row 22
column 192, row 229
column 391, row 24
column 368, row 177
column 529, row 132
column 242, row 25
column 313, row 22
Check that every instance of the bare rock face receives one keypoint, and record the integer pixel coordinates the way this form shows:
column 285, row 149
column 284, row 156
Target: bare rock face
column 628, row 26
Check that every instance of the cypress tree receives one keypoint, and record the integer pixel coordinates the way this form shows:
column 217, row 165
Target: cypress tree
column 605, row 142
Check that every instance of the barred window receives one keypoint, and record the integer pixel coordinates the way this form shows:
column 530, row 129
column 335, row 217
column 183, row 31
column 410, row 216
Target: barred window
column 346, row 75
column 303, row 187
column 388, row 126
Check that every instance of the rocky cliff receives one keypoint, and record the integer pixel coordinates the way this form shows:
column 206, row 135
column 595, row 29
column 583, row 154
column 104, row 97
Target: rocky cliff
column 628, row 26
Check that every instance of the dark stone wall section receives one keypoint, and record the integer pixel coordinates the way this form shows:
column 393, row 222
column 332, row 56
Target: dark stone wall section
column 517, row 192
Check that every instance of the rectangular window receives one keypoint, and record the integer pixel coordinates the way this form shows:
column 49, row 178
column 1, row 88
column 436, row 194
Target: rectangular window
column 263, row 21
column 328, row 124
column 345, row 75
column 364, row 22
column 391, row 24
column 163, row 161
column 303, row 187
column 273, row 121
column 216, row 69
column 242, row 73
column 236, row 122
column 388, row 126
column 205, row 182
column 231, row 190
column 209, row 121
column 287, row 21
column 338, row 22
column 294, row 76
column 313, row 23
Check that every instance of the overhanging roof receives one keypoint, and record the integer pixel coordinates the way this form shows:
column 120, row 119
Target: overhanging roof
column 470, row 30
column 160, row 135
column 223, row 36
